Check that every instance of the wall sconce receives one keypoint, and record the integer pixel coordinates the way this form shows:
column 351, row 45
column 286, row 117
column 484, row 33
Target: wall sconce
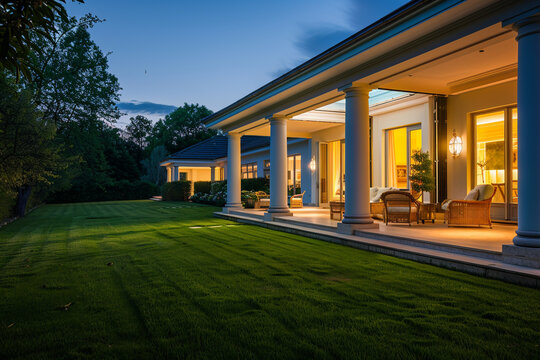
column 455, row 145
column 312, row 165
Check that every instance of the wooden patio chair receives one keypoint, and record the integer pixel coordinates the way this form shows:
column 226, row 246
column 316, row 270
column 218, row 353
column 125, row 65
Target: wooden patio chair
column 297, row 201
column 475, row 210
column 400, row 207
column 336, row 210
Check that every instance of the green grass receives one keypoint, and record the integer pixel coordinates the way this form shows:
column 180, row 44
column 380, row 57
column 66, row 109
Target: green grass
column 183, row 284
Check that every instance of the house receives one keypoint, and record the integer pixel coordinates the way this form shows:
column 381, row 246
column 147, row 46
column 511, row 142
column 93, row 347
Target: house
column 461, row 73
column 207, row 160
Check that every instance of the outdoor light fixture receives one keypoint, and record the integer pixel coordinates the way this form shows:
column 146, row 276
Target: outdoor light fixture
column 456, row 144
column 312, row 165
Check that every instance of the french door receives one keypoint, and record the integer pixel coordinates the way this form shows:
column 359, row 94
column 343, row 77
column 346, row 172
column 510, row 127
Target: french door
column 400, row 144
column 495, row 159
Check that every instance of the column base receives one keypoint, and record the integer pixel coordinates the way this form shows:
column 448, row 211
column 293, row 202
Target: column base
column 231, row 207
column 271, row 215
column 527, row 239
column 520, row 255
column 349, row 229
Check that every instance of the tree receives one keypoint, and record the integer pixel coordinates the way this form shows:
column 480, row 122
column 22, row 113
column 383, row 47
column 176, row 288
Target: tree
column 20, row 22
column 181, row 128
column 154, row 172
column 138, row 129
column 421, row 177
column 28, row 152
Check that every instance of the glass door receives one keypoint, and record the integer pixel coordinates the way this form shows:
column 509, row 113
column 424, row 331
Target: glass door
column 496, row 159
column 400, row 144
column 331, row 172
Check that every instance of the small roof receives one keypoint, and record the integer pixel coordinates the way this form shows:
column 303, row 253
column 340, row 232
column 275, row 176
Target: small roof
column 216, row 148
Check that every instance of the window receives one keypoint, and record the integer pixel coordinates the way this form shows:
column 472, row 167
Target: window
column 249, row 171
column 294, row 174
column 266, row 169
column 183, row 176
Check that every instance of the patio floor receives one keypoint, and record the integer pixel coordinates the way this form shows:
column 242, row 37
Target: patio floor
column 481, row 238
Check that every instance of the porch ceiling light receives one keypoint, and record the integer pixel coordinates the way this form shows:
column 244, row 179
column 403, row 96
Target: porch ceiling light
column 456, row 145
column 312, row 165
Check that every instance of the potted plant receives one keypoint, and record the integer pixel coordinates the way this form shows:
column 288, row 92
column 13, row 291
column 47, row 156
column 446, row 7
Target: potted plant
column 421, row 176
column 248, row 199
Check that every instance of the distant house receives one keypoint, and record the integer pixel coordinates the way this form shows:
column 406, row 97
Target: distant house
column 207, row 160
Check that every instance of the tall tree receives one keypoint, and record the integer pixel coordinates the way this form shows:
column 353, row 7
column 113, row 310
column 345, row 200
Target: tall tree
column 20, row 22
column 138, row 129
column 153, row 171
column 181, row 128
column 28, row 152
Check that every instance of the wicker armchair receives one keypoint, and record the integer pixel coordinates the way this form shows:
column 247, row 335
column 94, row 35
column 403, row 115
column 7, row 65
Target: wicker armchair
column 297, row 201
column 263, row 199
column 400, row 207
column 474, row 210
column 336, row 210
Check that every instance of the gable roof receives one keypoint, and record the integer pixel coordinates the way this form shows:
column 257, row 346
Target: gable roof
column 216, row 148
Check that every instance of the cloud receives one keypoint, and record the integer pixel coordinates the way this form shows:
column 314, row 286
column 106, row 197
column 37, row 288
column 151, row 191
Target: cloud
column 315, row 39
column 148, row 109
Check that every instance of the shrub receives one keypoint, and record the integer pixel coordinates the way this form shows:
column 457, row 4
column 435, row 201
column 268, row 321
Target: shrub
column 177, row 191
column 218, row 187
column 256, row 184
column 202, row 187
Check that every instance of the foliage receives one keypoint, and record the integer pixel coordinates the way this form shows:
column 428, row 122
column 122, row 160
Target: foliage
column 28, row 152
column 421, row 177
column 181, row 128
column 138, row 129
column 153, row 171
column 20, row 22
column 177, row 273
column 114, row 190
column 216, row 199
column 256, row 184
column 202, row 187
column 218, row 187
column 176, row 190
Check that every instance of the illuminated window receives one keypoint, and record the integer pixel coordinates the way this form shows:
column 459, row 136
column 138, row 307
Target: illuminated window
column 294, row 174
column 249, row 171
column 400, row 145
column 266, row 169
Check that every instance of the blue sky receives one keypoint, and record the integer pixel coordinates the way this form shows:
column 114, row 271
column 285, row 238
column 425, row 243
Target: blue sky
column 214, row 52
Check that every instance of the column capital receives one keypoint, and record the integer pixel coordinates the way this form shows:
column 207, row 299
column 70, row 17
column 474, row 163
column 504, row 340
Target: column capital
column 527, row 26
column 278, row 118
column 356, row 89
column 234, row 134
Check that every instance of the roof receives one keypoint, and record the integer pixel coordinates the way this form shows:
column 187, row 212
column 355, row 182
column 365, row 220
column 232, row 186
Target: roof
column 216, row 148
column 351, row 41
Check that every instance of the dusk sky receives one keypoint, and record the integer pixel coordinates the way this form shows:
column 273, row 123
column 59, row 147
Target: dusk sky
column 214, row 52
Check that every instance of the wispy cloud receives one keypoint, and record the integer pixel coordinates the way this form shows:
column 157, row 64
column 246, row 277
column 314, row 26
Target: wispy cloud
column 151, row 110
column 315, row 39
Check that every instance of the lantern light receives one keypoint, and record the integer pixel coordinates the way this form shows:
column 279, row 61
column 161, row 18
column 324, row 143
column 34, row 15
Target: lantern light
column 456, row 144
column 312, row 165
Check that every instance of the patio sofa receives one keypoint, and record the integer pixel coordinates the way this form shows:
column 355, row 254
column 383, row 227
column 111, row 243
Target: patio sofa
column 474, row 210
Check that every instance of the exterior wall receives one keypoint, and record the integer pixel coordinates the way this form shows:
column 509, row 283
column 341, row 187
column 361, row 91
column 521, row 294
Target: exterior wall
column 415, row 114
column 460, row 110
column 302, row 148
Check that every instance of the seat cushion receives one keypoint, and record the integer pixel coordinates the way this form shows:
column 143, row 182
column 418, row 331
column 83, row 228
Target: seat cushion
column 381, row 191
column 485, row 191
column 373, row 193
column 445, row 205
column 472, row 195
column 401, row 209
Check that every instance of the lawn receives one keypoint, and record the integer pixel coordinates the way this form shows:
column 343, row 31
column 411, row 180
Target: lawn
column 141, row 279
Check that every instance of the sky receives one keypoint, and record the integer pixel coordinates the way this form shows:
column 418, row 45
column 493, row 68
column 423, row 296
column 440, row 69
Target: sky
column 210, row 52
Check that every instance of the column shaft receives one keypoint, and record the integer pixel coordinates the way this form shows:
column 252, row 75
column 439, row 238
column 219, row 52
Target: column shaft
column 212, row 173
column 528, row 87
column 233, row 171
column 278, row 166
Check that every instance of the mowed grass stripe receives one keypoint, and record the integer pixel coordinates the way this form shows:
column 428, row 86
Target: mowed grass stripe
column 173, row 291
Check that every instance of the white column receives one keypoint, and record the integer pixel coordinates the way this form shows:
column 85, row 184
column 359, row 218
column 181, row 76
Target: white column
column 175, row 173
column 278, row 168
column 528, row 87
column 357, row 212
column 212, row 173
column 233, row 172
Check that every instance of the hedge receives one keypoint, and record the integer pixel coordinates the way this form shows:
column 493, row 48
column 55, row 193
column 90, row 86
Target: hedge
column 116, row 190
column 256, row 184
column 203, row 187
column 177, row 191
